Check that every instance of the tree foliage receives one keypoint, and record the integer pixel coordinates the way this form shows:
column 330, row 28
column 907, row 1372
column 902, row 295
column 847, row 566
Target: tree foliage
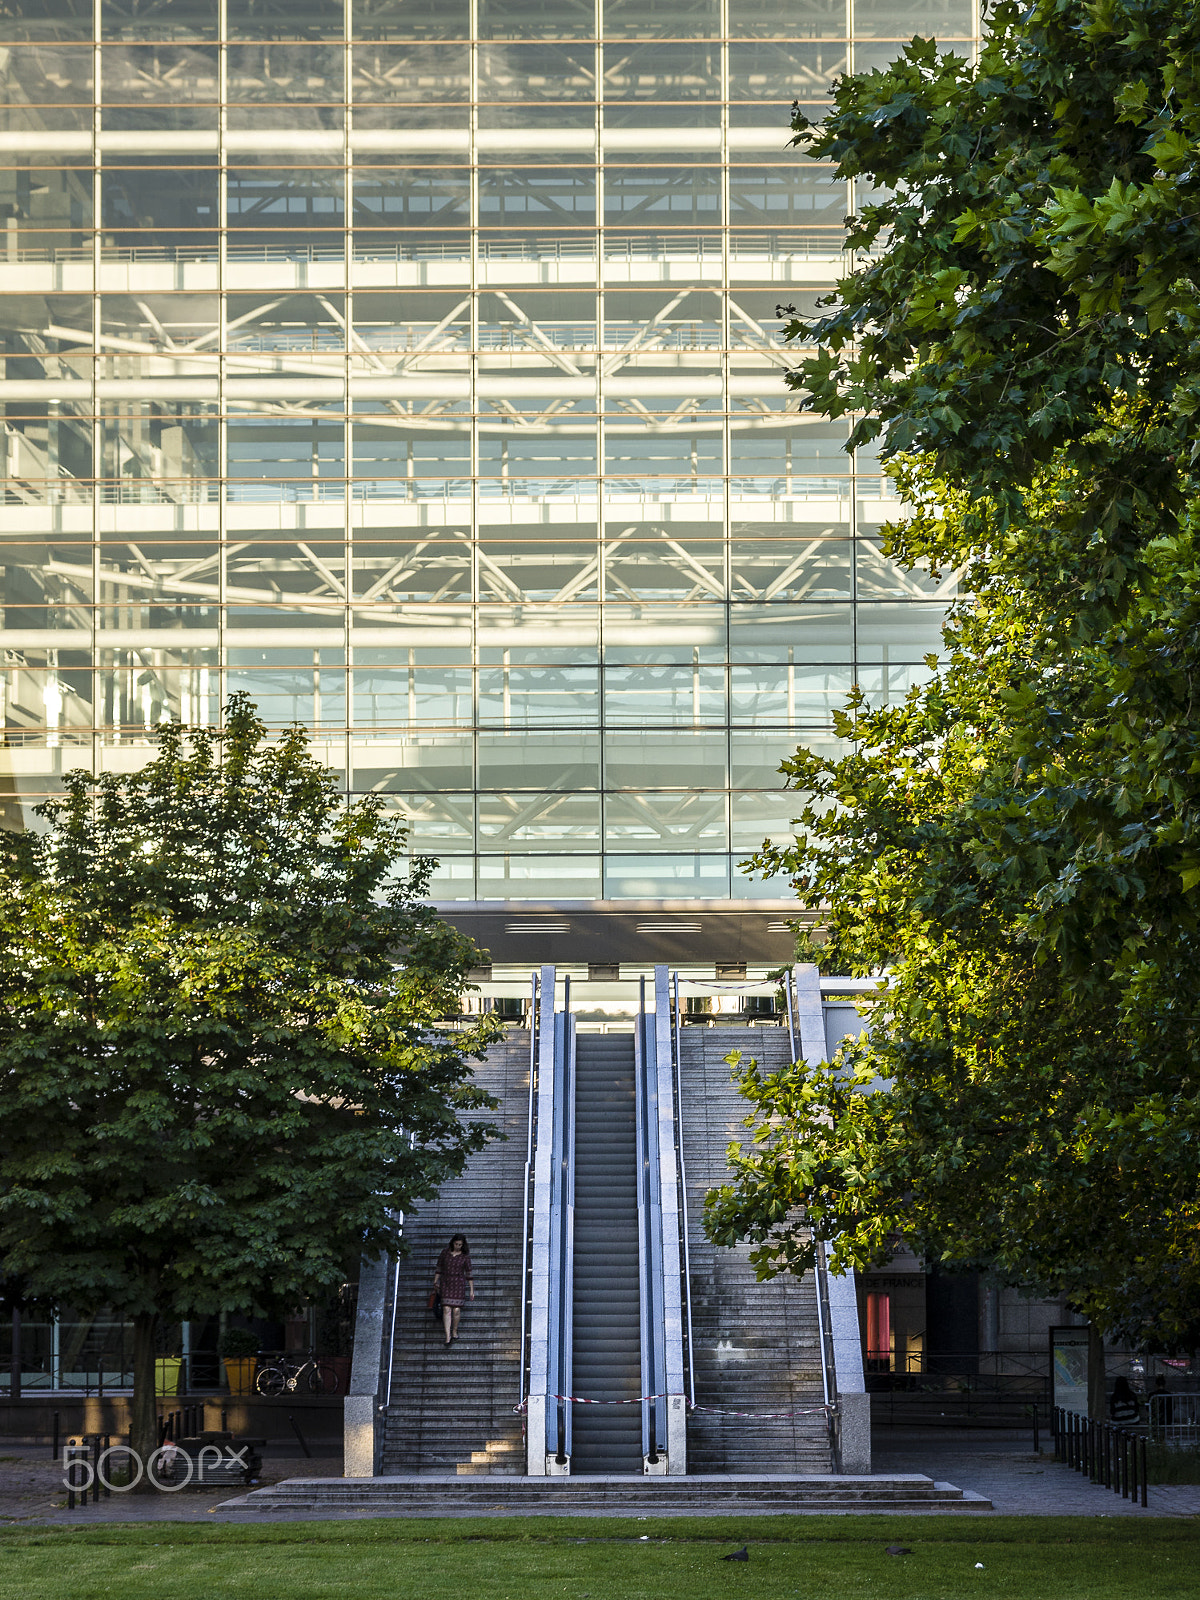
column 1018, row 843
column 223, row 1062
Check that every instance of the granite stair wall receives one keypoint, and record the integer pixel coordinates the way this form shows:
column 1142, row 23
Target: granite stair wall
column 755, row 1345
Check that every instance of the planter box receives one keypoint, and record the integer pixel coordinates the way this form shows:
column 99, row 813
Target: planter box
column 166, row 1375
column 239, row 1373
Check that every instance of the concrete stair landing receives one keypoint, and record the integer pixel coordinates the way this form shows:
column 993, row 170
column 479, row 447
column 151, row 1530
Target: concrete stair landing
column 429, row 1496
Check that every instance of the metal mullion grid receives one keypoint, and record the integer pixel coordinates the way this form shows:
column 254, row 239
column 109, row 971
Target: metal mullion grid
column 847, row 265
column 222, row 343
column 97, row 460
column 727, row 440
column 473, row 172
column 851, row 183
column 601, row 437
column 348, row 417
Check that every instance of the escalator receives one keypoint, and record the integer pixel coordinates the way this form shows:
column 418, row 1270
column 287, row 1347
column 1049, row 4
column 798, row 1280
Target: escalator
column 605, row 1385
column 606, row 1300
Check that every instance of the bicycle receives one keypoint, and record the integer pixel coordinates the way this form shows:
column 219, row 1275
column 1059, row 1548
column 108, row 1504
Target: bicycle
column 284, row 1374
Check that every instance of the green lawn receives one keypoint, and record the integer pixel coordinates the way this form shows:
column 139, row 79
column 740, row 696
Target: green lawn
column 811, row 1558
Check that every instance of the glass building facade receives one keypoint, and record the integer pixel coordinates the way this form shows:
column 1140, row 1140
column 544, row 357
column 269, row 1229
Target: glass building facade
column 417, row 370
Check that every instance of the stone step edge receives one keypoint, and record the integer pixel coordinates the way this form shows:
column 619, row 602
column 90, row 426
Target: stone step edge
column 500, row 1484
column 621, row 1487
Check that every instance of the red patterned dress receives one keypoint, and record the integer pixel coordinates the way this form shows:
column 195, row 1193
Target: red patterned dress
column 452, row 1275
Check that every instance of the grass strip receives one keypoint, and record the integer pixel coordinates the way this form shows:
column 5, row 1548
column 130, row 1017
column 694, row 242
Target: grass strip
column 789, row 1558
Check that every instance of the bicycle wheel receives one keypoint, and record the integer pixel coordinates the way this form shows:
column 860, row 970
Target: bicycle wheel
column 323, row 1380
column 271, row 1381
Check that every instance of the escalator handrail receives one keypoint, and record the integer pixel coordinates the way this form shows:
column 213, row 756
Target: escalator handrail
column 567, row 1321
column 526, row 1213
column 561, row 1036
column 683, row 1202
column 650, row 1252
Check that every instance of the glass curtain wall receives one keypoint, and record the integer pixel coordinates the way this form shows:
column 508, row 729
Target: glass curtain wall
column 417, row 371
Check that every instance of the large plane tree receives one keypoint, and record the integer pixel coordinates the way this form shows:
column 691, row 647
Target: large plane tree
column 1017, row 845
column 225, row 1064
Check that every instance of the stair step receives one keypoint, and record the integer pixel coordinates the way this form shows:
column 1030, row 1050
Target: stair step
column 431, row 1494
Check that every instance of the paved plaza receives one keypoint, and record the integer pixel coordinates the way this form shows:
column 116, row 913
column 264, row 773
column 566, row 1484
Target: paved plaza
column 1002, row 1469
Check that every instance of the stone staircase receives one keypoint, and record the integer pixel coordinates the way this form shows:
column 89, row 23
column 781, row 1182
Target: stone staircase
column 616, row 1495
column 451, row 1411
column 755, row 1345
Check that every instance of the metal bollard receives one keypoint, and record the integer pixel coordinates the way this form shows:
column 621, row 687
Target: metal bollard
column 299, row 1435
column 54, row 1446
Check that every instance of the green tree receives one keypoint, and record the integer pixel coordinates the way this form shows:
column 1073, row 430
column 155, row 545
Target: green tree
column 1017, row 844
column 223, row 1062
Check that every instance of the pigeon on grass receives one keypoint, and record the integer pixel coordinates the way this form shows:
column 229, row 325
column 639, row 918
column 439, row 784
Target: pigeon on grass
column 738, row 1555
column 898, row 1550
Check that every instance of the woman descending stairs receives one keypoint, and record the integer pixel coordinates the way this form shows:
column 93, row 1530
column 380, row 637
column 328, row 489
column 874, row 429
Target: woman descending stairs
column 451, row 1410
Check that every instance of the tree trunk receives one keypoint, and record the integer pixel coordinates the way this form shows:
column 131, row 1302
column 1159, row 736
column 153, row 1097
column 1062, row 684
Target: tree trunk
column 144, row 1411
column 14, row 1371
column 1097, row 1378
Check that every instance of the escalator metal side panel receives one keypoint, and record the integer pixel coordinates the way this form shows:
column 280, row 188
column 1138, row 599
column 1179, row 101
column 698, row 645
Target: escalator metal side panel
column 649, row 1237
column 564, row 1073
column 671, row 1412
column 545, row 1320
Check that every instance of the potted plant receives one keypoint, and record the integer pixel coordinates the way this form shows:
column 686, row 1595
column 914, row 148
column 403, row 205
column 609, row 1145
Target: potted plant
column 239, row 1349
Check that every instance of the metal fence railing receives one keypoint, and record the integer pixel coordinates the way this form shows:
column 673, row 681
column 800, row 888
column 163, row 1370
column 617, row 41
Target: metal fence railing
column 1175, row 1419
column 1105, row 1453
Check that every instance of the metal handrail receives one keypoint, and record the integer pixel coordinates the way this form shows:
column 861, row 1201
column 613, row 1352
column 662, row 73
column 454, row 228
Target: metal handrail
column 561, row 1199
column 523, row 1394
column 823, row 1329
column 824, row 1332
column 567, row 1303
column 791, row 1012
column 391, row 1334
column 683, row 1204
column 650, row 1250
column 644, row 1308
column 386, row 1399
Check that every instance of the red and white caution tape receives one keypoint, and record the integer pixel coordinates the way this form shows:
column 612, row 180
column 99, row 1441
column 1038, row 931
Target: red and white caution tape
column 714, row 1411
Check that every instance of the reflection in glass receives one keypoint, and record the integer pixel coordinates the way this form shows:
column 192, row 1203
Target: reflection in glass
column 160, row 74
column 898, row 19
column 544, row 71
column 665, row 821
column 653, row 72
column 419, row 73
column 413, row 693
column 541, row 822
column 490, row 477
